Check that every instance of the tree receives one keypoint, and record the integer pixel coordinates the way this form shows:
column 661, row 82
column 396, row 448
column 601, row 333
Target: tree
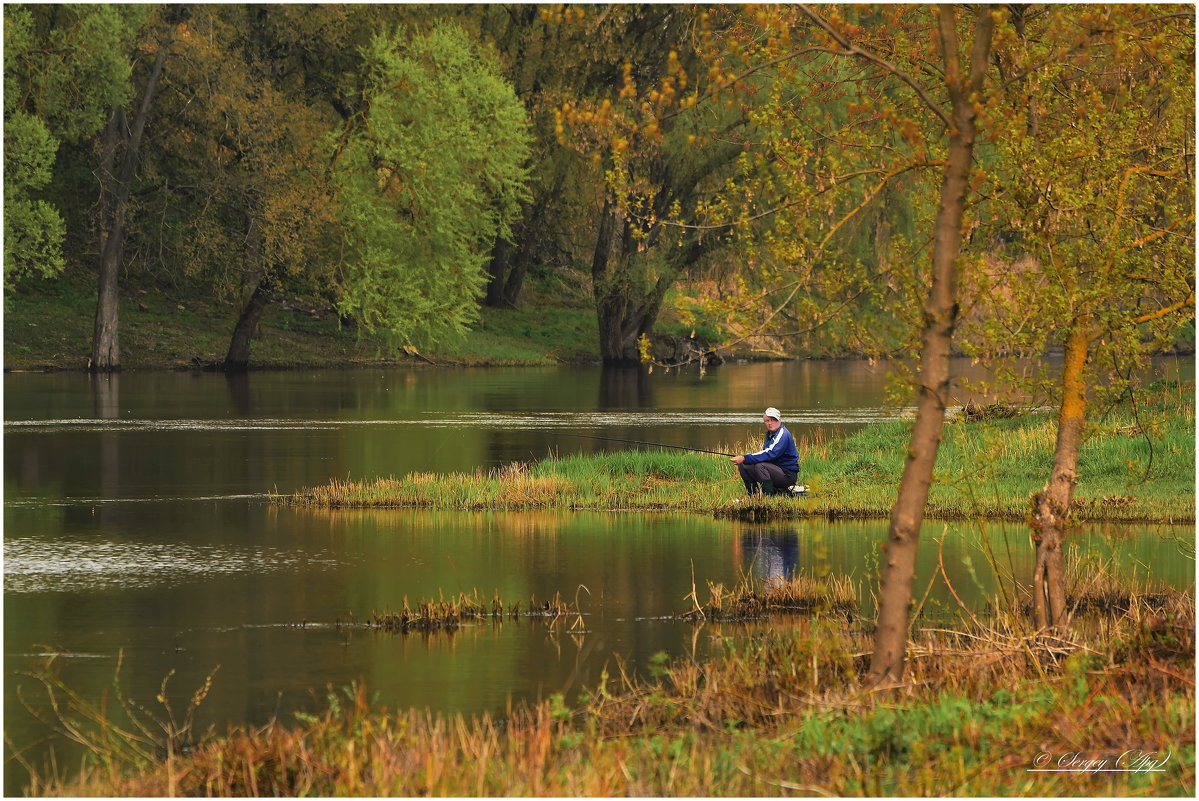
column 65, row 66
column 1092, row 199
column 241, row 194
column 885, row 43
column 829, row 188
column 429, row 175
column 532, row 43
column 121, row 144
column 661, row 155
column 34, row 229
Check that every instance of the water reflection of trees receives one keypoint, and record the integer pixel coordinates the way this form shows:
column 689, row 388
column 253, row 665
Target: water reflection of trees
column 625, row 388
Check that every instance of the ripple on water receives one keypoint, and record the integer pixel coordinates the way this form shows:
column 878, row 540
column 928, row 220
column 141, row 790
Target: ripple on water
column 517, row 420
column 33, row 565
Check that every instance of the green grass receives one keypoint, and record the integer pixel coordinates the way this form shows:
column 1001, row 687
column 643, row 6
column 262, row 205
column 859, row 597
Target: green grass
column 50, row 327
column 780, row 713
column 529, row 336
column 985, row 469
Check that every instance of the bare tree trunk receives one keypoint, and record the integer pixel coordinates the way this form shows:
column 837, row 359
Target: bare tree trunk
column 106, row 352
column 1051, row 506
column 623, row 317
column 501, row 257
column 940, row 318
column 510, row 262
column 237, row 360
column 509, row 266
column 105, row 344
column 518, row 269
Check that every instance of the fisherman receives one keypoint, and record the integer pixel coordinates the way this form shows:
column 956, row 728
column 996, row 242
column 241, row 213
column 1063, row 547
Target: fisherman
column 775, row 467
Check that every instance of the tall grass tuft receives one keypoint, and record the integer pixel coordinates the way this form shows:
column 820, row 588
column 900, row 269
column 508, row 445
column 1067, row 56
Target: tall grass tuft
column 751, row 599
column 447, row 615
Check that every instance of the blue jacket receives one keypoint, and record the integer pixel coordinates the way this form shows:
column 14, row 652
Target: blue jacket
column 778, row 448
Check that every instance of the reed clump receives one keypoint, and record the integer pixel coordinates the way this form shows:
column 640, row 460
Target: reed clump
column 436, row 615
column 447, row 615
column 751, row 599
column 1095, row 587
column 779, row 714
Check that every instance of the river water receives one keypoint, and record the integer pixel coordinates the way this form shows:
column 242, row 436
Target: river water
column 136, row 532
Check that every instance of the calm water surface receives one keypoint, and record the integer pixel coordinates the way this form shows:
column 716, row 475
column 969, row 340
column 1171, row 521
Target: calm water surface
column 135, row 523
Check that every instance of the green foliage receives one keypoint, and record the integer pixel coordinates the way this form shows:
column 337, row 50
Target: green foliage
column 33, row 228
column 69, row 64
column 702, row 128
column 432, row 175
column 1090, row 218
column 64, row 68
column 242, row 195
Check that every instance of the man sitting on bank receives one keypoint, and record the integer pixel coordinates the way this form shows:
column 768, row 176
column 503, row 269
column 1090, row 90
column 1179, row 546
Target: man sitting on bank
column 775, row 467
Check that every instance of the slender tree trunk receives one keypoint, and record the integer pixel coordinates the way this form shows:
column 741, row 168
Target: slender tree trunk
column 509, row 266
column 520, row 263
column 510, row 262
column 237, row 360
column 106, row 352
column 1051, row 506
column 105, row 344
column 501, row 256
column 940, row 318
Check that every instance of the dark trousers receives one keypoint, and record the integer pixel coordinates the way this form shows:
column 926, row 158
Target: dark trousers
column 754, row 474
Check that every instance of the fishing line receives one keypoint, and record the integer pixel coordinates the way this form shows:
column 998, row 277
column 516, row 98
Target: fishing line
column 653, row 444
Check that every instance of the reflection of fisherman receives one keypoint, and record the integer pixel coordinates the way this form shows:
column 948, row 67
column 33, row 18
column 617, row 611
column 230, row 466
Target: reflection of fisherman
column 772, row 555
column 776, row 466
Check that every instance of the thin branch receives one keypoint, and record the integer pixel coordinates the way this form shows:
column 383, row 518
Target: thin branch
column 854, row 50
column 768, row 212
column 1165, row 310
column 743, row 75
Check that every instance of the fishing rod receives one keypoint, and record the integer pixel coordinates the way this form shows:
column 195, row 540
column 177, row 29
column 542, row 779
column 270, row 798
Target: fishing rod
column 654, row 444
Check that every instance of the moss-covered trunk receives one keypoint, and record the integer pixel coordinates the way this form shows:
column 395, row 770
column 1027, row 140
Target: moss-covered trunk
column 1051, row 506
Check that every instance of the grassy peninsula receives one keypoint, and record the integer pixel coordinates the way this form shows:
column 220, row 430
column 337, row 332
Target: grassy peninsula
column 1134, row 467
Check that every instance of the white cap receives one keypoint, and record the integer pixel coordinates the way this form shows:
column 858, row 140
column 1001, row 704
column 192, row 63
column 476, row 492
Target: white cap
column 773, row 412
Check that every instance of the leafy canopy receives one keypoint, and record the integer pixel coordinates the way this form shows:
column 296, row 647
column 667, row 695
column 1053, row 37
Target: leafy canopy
column 429, row 175
column 64, row 68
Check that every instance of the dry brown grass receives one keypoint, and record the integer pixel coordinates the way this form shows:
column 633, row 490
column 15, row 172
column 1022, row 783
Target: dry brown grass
column 783, row 712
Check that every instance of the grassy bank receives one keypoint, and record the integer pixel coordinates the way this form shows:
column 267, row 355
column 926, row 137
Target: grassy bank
column 985, row 468
column 50, row 327
column 783, row 713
